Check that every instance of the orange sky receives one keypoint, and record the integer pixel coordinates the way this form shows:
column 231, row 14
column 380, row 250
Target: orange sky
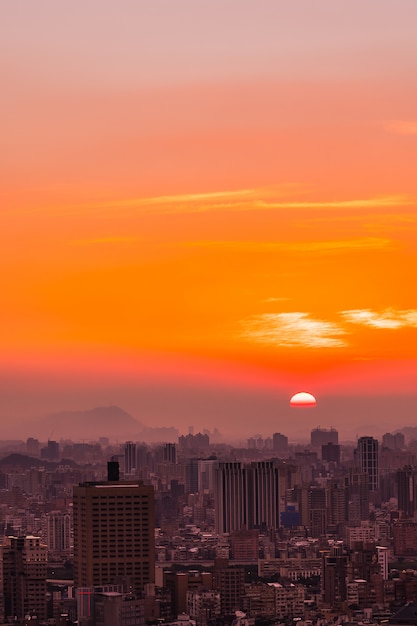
column 245, row 225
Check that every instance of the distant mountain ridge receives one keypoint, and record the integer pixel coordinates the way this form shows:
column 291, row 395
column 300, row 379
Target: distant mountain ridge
column 103, row 421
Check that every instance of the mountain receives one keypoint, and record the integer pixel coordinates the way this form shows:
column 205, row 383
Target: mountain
column 103, row 421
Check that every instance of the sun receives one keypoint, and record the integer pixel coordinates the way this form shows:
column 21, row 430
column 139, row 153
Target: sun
column 303, row 398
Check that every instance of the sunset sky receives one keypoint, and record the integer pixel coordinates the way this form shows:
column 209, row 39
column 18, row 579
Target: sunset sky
column 207, row 206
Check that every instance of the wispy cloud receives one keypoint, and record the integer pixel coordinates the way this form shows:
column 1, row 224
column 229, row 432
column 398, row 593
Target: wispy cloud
column 266, row 199
column 401, row 127
column 104, row 240
column 302, row 246
column 389, row 318
column 295, row 329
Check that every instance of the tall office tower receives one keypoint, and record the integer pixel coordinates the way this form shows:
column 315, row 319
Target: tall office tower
column 25, row 571
column 246, row 497
column 406, row 483
column 264, row 497
column 357, row 493
column 320, row 436
column 130, row 457
column 279, row 442
column 58, row 532
column 169, row 453
column 231, row 497
column 367, row 458
column 114, row 525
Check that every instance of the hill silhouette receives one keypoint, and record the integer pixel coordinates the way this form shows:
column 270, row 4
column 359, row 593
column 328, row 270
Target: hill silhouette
column 102, row 421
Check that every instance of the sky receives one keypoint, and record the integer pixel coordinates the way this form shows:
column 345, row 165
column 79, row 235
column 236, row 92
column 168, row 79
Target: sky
column 209, row 206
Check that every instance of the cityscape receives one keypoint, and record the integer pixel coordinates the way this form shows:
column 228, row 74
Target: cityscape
column 194, row 533
column 208, row 319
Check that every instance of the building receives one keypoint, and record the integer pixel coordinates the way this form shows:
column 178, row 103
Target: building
column 321, row 436
column 58, row 532
column 393, row 442
column 130, row 458
column 330, row 452
column 406, row 484
column 279, row 442
column 246, row 496
column 405, row 537
column 231, row 497
column 367, row 460
column 114, row 533
column 244, row 545
column 357, row 496
column 24, row 575
column 203, row 606
column 230, row 582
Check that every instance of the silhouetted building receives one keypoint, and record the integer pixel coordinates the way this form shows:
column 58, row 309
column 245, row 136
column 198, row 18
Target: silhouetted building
column 357, row 491
column 170, row 452
column 320, row 436
column 367, row 459
column 130, row 457
column 406, row 485
column 394, row 442
column 279, row 442
column 330, row 452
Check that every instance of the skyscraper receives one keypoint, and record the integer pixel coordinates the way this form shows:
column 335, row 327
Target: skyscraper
column 367, row 458
column 406, row 483
column 246, row 496
column 130, row 457
column 113, row 533
column 231, row 497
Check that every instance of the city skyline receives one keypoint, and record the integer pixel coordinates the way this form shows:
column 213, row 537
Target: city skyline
column 207, row 209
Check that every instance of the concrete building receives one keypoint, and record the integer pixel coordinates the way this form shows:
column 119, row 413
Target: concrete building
column 114, row 533
column 24, row 575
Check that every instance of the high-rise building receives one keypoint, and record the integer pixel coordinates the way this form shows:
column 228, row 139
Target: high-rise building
column 24, row 572
column 169, row 453
column 264, row 498
column 231, row 497
column 367, row 459
column 406, row 484
column 130, row 457
column 320, row 436
column 246, row 496
column 58, row 532
column 357, row 493
column 114, row 533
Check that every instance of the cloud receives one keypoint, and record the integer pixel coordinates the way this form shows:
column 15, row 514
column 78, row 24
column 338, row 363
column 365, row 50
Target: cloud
column 105, row 240
column 292, row 330
column 389, row 318
column 303, row 246
column 265, row 199
column 401, row 127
